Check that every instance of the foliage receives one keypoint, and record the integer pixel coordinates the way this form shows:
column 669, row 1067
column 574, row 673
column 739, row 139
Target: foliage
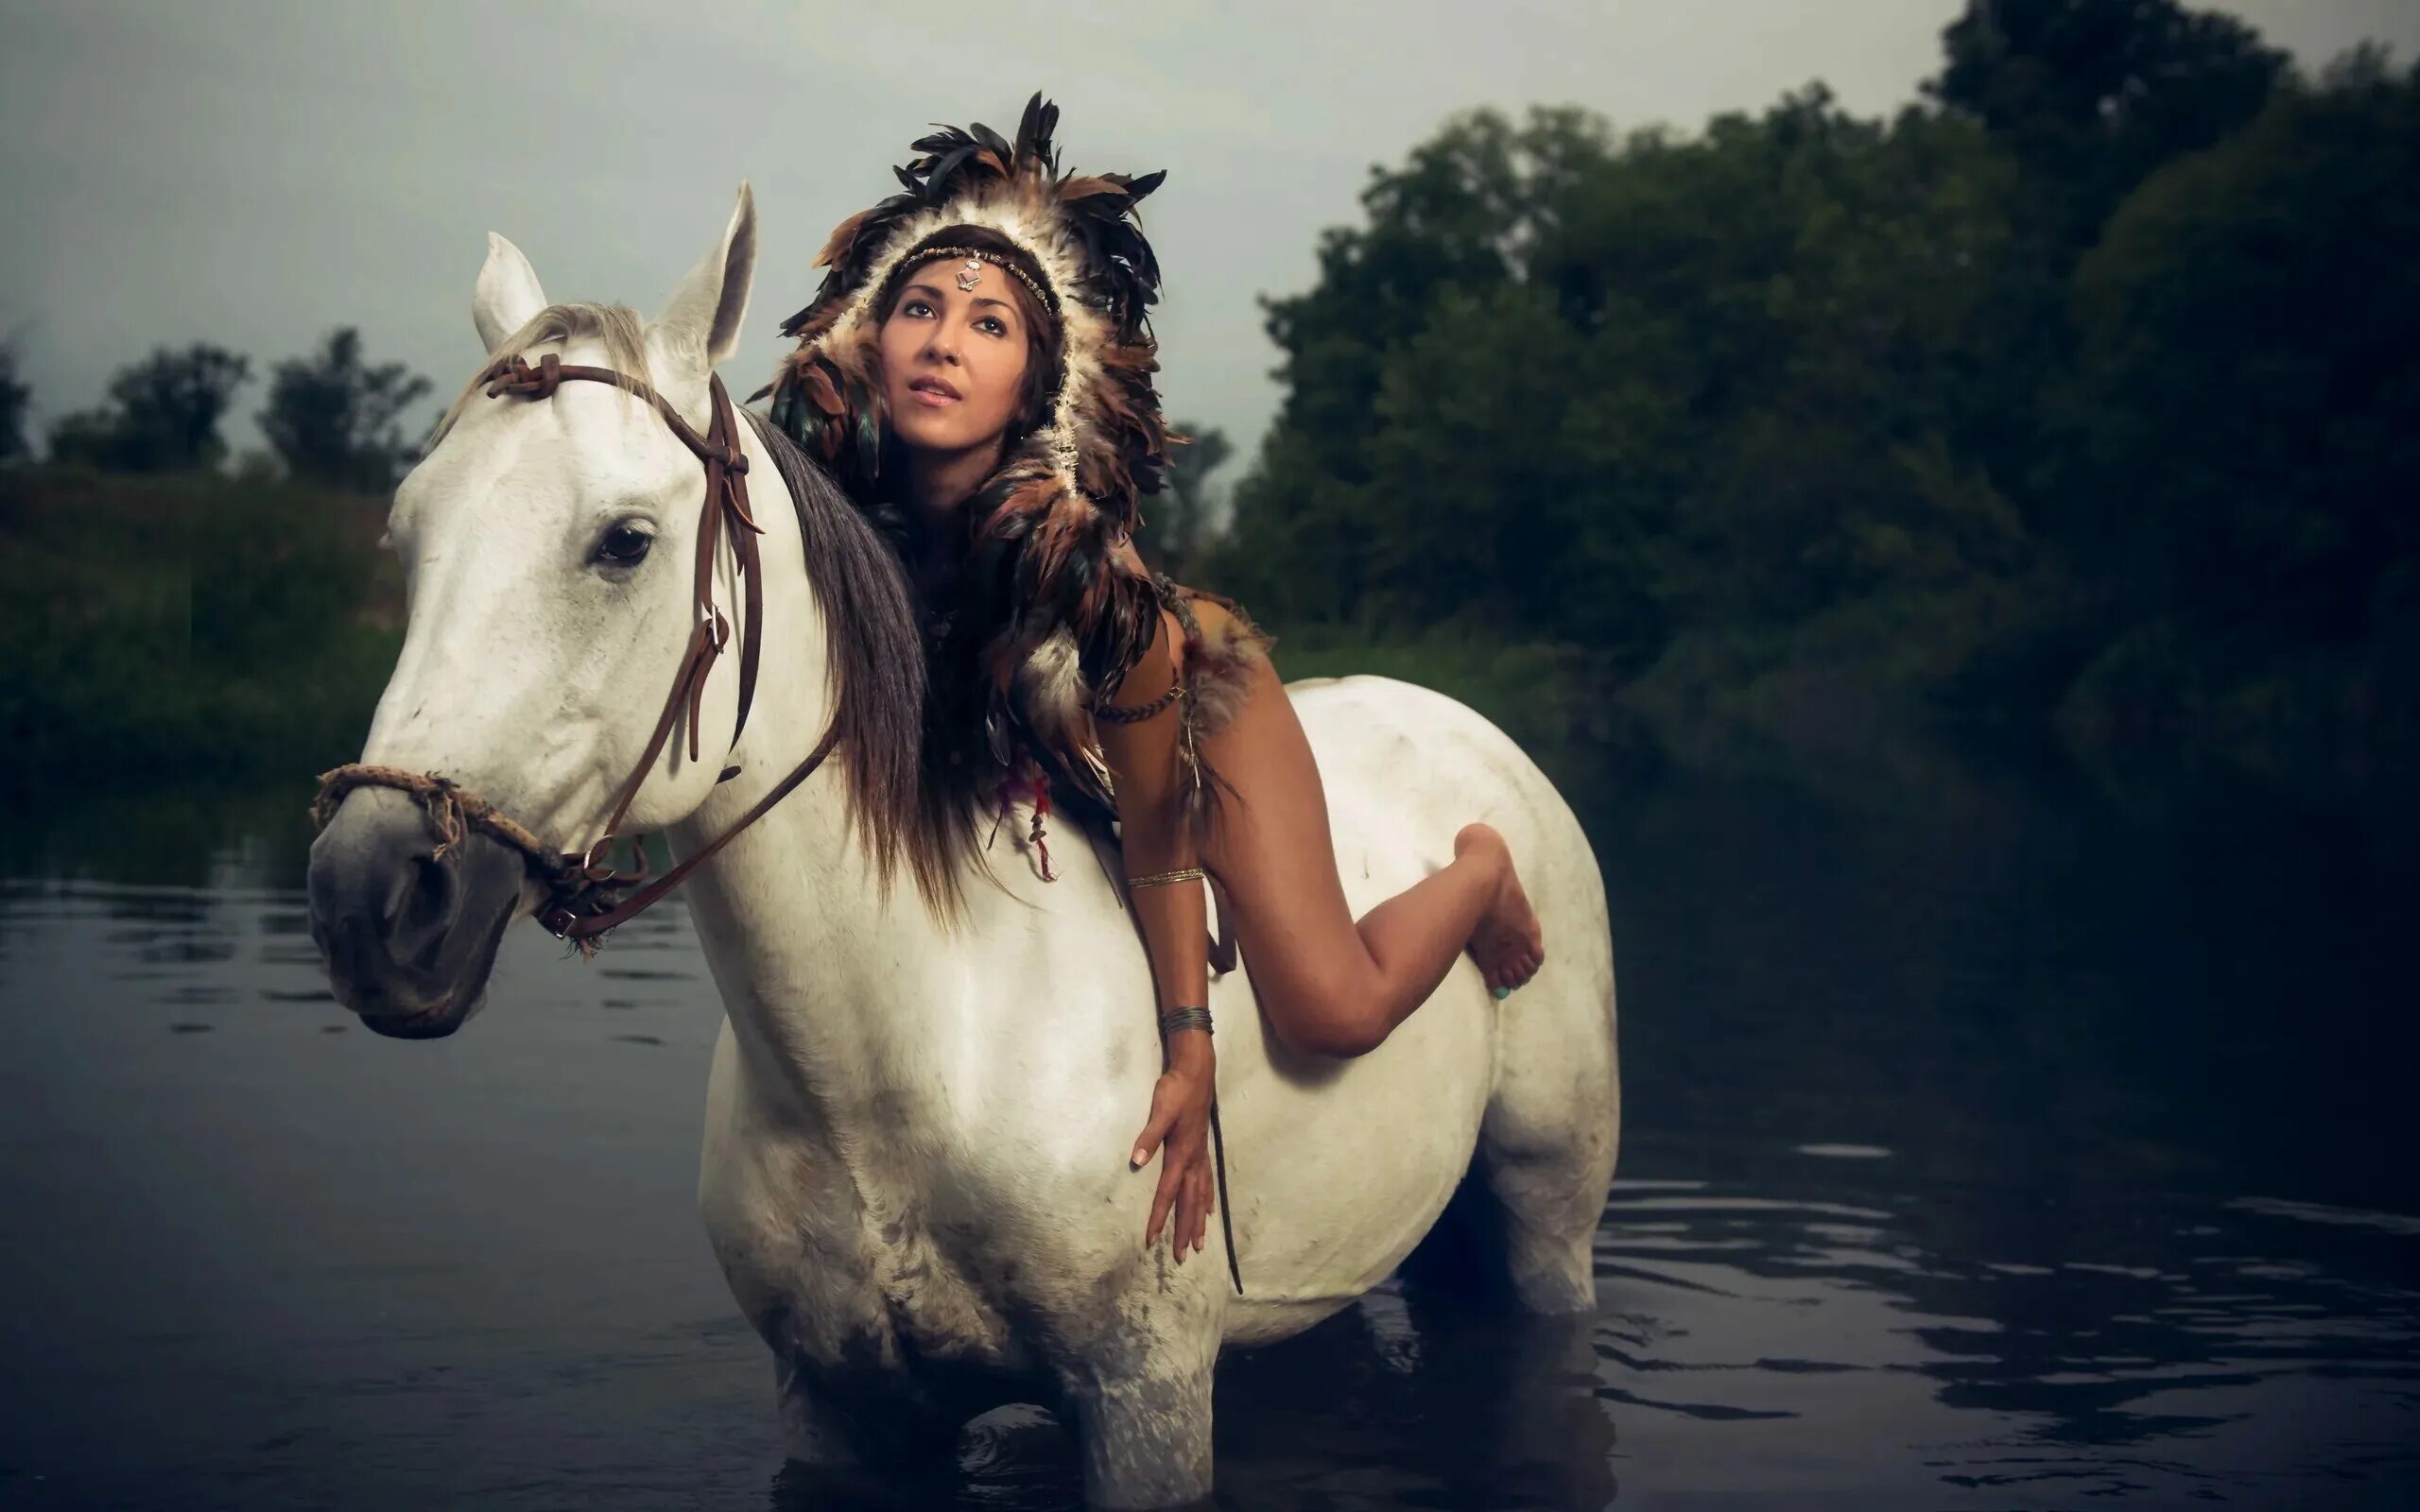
column 14, row 396
column 2093, row 96
column 1929, row 412
column 1178, row 520
column 162, row 415
column 2248, row 384
column 185, row 627
column 333, row 419
column 2078, row 394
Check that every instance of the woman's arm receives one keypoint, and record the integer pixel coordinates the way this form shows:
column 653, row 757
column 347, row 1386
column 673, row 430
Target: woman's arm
column 1149, row 771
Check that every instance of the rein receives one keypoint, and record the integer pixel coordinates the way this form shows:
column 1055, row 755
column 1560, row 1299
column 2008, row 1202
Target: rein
column 583, row 889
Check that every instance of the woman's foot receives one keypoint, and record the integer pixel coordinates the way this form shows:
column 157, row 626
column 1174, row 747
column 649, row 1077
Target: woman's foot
column 1508, row 943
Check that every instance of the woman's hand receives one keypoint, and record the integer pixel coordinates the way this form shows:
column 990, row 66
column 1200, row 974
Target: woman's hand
column 1179, row 1129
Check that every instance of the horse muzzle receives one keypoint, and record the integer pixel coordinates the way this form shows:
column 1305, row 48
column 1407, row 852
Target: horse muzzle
column 408, row 927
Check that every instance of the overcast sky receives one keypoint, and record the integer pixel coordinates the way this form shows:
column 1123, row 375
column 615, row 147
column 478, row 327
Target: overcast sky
column 255, row 174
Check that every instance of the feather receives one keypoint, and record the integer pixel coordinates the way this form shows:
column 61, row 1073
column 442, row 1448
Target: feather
column 1039, row 573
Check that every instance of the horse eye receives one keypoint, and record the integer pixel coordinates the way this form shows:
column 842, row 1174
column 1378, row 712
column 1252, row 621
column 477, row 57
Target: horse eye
column 624, row 546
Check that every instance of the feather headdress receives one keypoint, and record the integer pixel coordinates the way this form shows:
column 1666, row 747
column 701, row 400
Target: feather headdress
column 1051, row 610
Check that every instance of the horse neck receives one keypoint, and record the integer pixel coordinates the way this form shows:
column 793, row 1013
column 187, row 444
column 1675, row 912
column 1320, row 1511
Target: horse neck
column 804, row 939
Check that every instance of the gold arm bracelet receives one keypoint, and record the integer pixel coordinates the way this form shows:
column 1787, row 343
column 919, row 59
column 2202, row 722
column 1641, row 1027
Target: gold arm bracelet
column 1156, row 879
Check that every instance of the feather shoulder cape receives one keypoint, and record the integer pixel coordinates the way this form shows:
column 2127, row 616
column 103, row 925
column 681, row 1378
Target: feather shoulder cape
column 1043, row 614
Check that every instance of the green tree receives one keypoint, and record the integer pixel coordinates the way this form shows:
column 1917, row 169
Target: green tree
column 2240, row 436
column 333, row 419
column 1593, row 390
column 1453, row 221
column 2093, row 96
column 1176, row 521
column 2113, row 336
column 163, row 414
column 14, row 396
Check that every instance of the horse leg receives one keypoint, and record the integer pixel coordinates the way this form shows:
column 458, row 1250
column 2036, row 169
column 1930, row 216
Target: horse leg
column 839, row 1453
column 1552, row 1129
column 1142, row 1413
column 814, row 1431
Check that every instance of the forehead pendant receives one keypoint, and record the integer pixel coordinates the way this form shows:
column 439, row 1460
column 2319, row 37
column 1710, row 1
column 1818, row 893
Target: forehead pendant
column 971, row 274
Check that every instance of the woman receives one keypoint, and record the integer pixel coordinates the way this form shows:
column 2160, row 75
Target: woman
column 977, row 371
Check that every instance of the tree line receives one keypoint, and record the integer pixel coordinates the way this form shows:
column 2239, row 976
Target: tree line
column 2082, row 388
column 331, row 417
column 334, row 419
column 2087, row 379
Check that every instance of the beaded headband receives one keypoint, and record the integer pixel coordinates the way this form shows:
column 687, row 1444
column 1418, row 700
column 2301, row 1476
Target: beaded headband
column 1079, row 249
column 1046, row 603
column 969, row 275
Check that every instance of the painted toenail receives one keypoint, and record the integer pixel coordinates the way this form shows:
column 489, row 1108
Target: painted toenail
column 1503, row 992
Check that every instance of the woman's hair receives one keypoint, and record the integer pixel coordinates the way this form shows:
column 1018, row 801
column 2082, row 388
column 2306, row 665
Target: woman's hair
column 1039, row 573
column 959, row 744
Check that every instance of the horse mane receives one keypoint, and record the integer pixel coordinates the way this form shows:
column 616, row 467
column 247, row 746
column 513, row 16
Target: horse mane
column 914, row 802
column 909, row 804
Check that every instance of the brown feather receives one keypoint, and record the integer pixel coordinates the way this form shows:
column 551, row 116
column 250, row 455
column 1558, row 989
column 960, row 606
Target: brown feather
column 842, row 240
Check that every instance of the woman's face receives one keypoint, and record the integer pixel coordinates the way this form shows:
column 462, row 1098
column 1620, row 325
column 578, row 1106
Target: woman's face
column 953, row 358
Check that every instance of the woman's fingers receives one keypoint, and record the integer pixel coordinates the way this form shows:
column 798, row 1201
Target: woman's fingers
column 1155, row 1130
column 1189, row 1231
column 1171, row 1185
column 1183, row 1199
column 1191, row 1207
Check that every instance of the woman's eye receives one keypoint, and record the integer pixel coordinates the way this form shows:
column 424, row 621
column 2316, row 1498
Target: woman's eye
column 915, row 307
column 992, row 323
column 624, row 546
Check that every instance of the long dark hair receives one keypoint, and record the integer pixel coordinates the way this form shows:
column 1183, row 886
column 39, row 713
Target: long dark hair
column 1038, row 547
column 965, row 744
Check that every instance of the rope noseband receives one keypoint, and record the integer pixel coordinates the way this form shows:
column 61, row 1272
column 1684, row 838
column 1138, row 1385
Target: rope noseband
column 583, row 889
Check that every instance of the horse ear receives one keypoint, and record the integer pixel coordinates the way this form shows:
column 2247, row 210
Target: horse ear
column 507, row 294
column 699, row 326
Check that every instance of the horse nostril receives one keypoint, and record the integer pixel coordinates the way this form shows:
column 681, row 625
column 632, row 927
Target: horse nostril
column 426, row 910
column 432, row 885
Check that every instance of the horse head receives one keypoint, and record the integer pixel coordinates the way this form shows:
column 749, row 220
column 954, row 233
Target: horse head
column 547, row 539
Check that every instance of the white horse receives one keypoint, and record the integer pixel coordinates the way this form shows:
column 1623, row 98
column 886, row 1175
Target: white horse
column 915, row 1166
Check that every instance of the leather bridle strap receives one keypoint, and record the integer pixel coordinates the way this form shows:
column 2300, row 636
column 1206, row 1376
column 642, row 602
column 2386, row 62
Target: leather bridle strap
column 563, row 924
column 581, row 888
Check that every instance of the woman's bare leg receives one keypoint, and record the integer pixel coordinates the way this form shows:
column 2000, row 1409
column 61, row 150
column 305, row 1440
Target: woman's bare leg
column 1330, row 984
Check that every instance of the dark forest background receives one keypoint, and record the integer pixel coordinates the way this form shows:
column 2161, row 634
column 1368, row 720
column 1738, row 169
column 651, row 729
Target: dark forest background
column 2075, row 402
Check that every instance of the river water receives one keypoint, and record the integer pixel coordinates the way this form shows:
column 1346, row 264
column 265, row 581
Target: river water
column 1993, row 1139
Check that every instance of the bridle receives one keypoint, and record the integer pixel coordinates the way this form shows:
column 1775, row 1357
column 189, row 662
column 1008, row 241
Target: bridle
column 583, row 890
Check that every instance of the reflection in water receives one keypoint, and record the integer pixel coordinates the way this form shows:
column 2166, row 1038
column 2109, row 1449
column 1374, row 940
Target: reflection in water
column 1984, row 1149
